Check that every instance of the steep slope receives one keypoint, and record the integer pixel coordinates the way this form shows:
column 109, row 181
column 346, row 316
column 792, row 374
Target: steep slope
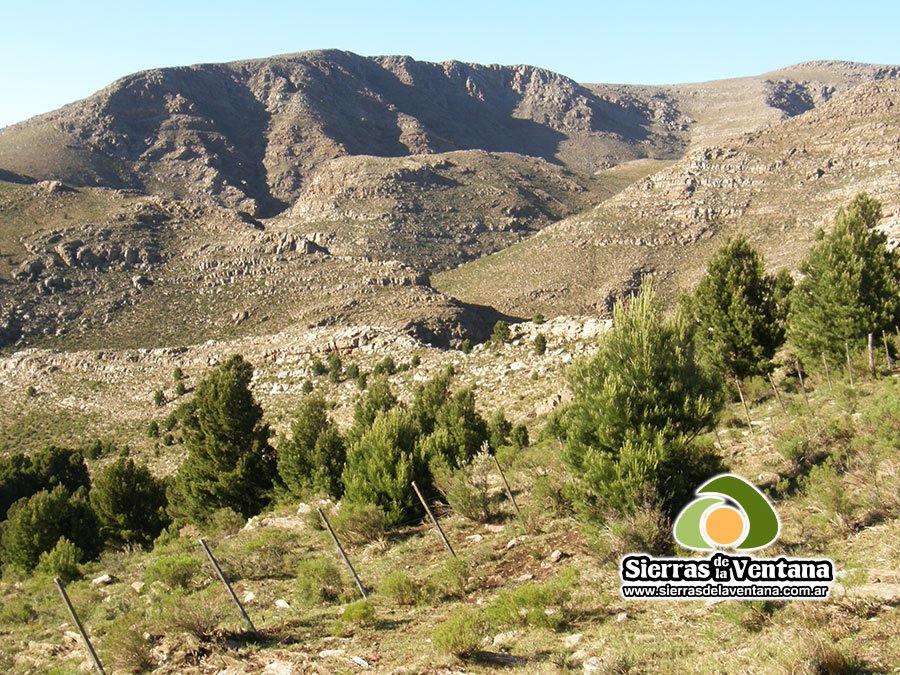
column 777, row 186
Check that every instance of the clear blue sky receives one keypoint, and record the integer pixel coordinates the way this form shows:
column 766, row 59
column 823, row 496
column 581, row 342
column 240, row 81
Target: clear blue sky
column 54, row 52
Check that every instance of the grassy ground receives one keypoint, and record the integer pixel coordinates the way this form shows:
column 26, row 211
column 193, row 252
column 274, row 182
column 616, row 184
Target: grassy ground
column 531, row 593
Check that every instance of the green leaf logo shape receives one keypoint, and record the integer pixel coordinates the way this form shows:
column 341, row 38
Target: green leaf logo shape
column 714, row 500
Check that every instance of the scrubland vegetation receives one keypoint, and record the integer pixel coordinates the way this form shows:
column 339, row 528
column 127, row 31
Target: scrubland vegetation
column 731, row 380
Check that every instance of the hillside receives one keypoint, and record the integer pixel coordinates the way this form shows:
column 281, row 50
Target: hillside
column 777, row 185
column 226, row 200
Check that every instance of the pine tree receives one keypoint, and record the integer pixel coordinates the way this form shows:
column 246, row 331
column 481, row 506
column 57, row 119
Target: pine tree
column 230, row 463
column 383, row 462
column 850, row 285
column 312, row 460
column 377, row 399
column 130, row 503
column 34, row 526
column 638, row 404
column 737, row 311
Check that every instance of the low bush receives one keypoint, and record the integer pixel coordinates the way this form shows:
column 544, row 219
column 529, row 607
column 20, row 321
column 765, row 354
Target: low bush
column 468, row 489
column 126, row 647
column 197, row 614
column 541, row 605
column 358, row 524
column 463, row 633
column 450, row 580
column 61, row 561
column 361, row 612
column 399, row 588
column 178, row 570
column 319, row 581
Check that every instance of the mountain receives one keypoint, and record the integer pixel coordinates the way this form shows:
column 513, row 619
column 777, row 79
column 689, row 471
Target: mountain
column 777, row 186
column 223, row 200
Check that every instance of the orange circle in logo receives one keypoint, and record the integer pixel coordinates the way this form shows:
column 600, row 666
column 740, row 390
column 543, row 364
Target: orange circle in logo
column 724, row 526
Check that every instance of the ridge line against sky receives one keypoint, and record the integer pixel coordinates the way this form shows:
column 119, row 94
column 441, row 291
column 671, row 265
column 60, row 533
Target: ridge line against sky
column 56, row 52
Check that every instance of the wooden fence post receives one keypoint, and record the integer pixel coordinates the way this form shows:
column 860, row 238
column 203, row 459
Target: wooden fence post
column 887, row 352
column 87, row 642
column 506, row 485
column 849, row 364
column 871, row 348
column 234, row 598
column 433, row 520
column 744, row 403
column 803, row 384
column 777, row 395
column 340, row 549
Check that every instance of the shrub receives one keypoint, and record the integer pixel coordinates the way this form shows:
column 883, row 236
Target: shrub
column 827, row 494
column 468, row 489
column 225, row 522
column 387, row 366
column 450, row 580
column 541, row 605
column 752, row 615
column 35, row 526
column 126, row 647
column 263, row 553
column 335, row 367
column 311, row 462
column 307, row 387
column 462, row 633
column 197, row 614
column 400, row 588
column 465, row 346
column 361, row 612
column 159, row 398
column 457, row 431
column 519, row 436
column 645, row 529
column 130, row 503
column 538, row 318
column 61, row 561
column 352, row 371
column 358, row 524
column 229, row 462
column 177, row 374
column 178, row 570
column 317, row 367
column 180, row 389
column 14, row 611
column 381, row 465
column 540, row 344
column 319, row 581
column 31, row 392
column 153, row 429
column 499, row 429
column 501, row 333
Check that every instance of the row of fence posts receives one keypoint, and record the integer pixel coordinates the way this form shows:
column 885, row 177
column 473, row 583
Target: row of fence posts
column 872, row 370
column 334, row 538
